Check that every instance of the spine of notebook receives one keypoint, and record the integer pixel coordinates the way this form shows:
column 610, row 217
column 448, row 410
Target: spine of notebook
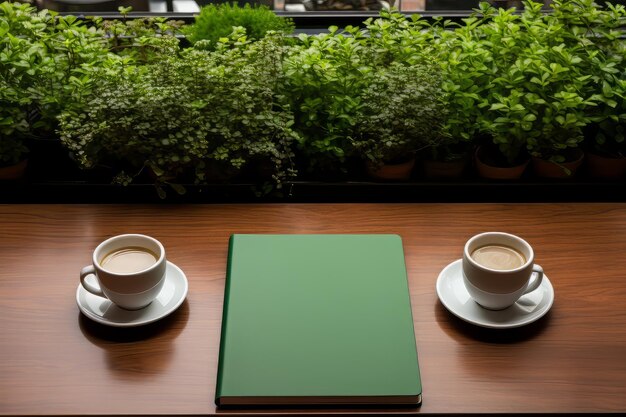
column 218, row 388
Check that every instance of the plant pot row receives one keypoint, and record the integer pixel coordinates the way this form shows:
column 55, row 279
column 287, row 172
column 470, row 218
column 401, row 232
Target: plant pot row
column 597, row 167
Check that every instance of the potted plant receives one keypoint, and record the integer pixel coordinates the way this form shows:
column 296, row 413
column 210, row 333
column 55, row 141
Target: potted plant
column 537, row 101
column 466, row 64
column 250, row 125
column 606, row 152
column 43, row 54
column 138, row 121
column 599, row 31
column 22, row 63
column 402, row 113
column 502, row 155
column 173, row 118
column 502, row 122
column 15, row 101
column 394, row 38
column 326, row 75
column 560, row 86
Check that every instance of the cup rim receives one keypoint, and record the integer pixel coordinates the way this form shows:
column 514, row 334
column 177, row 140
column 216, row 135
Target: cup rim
column 98, row 248
column 471, row 260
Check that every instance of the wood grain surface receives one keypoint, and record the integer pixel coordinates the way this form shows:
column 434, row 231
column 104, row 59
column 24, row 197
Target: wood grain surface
column 55, row 361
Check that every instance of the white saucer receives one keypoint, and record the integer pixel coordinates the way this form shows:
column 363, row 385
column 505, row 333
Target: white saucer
column 105, row 312
column 456, row 299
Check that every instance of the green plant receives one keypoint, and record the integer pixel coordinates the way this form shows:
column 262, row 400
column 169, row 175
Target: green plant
column 135, row 119
column 599, row 32
column 19, row 63
column 463, row 59
column 326, row 75
column 402, row 113
column 140, row 38
column 466, row 62
column 42, row 54
column 537, row 93
column 72, row 48
column 472, row 55
column 455, row 49
column 609, row 135
column 175, row 116
column 25, row 68
column 561, row 82
column 392, row 37
column 217, row 21
column 238, row 86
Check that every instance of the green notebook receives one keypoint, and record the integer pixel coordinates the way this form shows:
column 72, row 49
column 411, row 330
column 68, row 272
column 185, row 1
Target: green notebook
column 317, row 319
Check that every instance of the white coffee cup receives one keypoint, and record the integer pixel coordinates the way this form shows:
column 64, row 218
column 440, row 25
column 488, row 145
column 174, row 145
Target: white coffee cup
column 130, row 289
column 495, row 288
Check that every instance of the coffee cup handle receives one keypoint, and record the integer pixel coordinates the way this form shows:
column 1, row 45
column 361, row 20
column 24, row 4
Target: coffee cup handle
column 84, row 273
column 536, row 282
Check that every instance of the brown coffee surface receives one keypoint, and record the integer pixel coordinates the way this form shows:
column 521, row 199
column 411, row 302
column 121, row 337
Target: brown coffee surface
column 498, row 257
column 128, row 260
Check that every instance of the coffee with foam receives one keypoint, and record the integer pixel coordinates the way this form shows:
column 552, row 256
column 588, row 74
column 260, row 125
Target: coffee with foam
column 129, row 260
column 498, row 257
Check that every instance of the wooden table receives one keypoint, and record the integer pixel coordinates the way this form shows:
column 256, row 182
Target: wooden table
column 55, row 361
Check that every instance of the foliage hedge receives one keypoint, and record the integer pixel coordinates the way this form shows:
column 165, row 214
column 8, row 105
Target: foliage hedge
column 125, row 94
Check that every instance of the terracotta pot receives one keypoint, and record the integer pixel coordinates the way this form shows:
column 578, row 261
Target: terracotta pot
column 548, row 169
column 444, row 169
column 13, row 172
column 604, row 167
column 392, row 172
column 498, row 173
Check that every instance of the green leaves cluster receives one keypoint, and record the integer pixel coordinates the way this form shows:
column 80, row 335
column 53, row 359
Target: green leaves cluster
column 373, row 92
column 533, row 81
column 325, row 77
column 175, row 116
column 217, row 21
column 47, row 59
column 601, row 34
column 40, row 54
column 538, row 91
column 126, row 94
column 19, row 65
column 135, row 118
column 402, row 113
column 237, row 85
column 146, row 40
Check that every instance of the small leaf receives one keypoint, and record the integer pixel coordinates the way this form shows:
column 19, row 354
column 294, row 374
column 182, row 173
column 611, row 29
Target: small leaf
column 607, row 90
column 157, row 171
column 497, row 106
column 181, row 190
column 161, row 192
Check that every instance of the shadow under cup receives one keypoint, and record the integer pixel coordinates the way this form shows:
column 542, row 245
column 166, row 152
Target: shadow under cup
column 498, row 289
column 129, row 290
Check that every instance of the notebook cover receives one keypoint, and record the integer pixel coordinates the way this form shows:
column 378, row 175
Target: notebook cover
column 317, row 319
